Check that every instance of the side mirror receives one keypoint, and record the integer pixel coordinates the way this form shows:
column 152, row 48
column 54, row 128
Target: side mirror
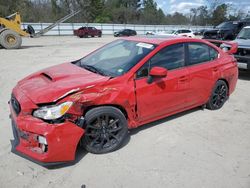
column 157, row 72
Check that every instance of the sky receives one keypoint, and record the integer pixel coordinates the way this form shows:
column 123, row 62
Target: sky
column 183, row 6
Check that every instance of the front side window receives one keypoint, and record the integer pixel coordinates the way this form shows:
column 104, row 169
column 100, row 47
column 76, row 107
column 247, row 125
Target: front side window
column 200, row 53
column 171, row 57
column 116, row 58
column 187, row 31
column 227, row 25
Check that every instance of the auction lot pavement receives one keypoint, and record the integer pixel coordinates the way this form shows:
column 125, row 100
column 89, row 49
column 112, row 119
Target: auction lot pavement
column 198, row 148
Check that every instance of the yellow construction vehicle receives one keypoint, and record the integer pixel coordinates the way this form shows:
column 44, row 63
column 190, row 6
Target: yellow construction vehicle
column 11, row 32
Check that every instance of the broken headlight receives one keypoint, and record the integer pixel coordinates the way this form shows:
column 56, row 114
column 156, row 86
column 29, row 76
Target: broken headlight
column 53, row 111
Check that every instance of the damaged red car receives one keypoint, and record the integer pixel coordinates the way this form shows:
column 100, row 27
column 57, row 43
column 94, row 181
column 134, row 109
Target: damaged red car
column 94, row 101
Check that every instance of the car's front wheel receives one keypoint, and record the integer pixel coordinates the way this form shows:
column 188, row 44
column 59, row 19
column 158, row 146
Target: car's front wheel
column 218, row 96
column 106, row 129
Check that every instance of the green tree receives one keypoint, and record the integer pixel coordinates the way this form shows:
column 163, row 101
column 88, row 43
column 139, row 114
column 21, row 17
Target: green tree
column 219, row 15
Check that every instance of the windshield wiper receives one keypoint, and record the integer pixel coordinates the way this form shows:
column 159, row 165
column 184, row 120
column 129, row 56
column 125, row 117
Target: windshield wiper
column 94, row 69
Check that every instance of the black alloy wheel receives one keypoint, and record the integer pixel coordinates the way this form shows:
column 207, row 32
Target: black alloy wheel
column 219, row 95
column 106, row 128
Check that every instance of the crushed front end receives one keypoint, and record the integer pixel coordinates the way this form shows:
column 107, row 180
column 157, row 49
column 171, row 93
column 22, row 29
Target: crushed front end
column 44, row 142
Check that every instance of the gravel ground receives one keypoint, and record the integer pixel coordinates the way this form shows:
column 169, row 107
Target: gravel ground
column 198, row 148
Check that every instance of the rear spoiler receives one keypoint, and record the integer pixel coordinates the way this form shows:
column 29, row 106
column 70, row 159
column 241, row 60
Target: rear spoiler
column 227, row 46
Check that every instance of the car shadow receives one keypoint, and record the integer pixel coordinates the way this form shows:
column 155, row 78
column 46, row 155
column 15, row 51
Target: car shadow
column 163, row 120
column 23, row 47
column 33, row 46
column 81, row 153
column 244, row 75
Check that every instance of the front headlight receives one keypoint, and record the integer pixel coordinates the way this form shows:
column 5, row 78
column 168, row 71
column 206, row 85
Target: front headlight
column 52, row 112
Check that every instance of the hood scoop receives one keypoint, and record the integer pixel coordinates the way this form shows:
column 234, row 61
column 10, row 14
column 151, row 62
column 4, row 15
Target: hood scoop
column 47, row 76
column 57, row 82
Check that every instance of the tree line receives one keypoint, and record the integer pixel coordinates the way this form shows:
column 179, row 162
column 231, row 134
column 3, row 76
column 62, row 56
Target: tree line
column 119, row 11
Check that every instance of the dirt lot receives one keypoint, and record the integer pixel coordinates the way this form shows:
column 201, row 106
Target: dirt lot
column 198, row 148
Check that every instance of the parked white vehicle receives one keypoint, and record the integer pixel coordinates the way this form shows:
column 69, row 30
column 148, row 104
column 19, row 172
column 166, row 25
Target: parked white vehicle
column 179, row 32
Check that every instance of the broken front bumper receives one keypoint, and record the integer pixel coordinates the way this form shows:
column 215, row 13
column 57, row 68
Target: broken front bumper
column 40, row 141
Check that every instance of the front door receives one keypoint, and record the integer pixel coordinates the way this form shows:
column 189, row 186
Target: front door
column 164, row 95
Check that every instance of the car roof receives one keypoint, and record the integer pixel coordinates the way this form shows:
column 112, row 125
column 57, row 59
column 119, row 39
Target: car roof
column 159, row 39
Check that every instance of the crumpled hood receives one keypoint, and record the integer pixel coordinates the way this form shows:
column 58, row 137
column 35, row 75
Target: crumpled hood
column 55, row 82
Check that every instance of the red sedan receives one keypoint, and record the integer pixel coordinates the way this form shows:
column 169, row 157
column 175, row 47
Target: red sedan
column 93, row 101
column 87, row 31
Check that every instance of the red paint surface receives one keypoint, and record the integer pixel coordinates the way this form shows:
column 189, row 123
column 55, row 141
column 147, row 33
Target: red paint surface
column 86, row 31
column 180, row 90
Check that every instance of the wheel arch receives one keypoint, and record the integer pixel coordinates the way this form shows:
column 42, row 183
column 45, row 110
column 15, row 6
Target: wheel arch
column 121, row 108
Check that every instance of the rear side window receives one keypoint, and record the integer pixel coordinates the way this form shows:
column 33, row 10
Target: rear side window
column 200, row 53
column 212, row 53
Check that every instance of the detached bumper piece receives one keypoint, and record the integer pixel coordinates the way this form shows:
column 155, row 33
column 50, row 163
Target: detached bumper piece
column 41, row 142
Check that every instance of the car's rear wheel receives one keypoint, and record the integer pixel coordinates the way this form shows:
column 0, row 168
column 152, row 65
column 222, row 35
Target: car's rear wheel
column 218, row 96
column 106, row 129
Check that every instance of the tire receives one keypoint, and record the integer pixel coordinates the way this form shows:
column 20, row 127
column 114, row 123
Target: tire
column 99, row 35
column 105, row 130
column 218, row 96
column 10, row 39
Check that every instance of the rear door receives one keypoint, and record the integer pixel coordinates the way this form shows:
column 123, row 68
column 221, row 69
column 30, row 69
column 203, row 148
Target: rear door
column 203, row 68
column 164, row 95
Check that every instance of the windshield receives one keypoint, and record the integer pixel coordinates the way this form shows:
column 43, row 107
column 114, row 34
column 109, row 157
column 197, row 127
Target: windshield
column 244, row 34
column 227, row 25
column 116, row 58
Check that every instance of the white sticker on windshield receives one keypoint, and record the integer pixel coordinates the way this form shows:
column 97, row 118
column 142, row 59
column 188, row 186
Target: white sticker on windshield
column 145, row 45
